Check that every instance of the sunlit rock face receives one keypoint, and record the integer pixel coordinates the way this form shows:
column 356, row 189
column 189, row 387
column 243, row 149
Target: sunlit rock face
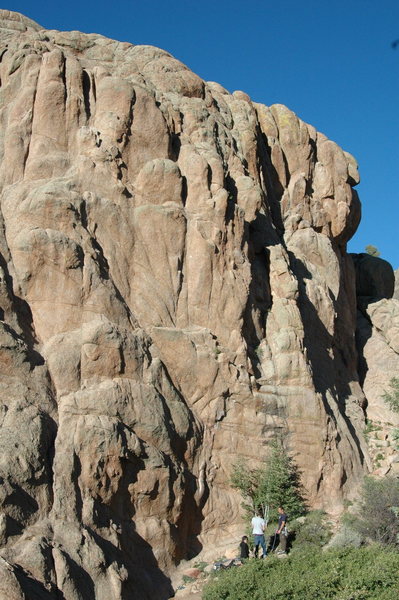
column 175, row 293
column 396, row 291
column 378, row 345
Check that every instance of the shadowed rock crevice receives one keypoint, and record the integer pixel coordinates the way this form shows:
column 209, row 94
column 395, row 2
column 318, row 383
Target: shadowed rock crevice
column 273, row 186
column 21, row 311
column 327, row 361
column 86, row 85
column 35, row 589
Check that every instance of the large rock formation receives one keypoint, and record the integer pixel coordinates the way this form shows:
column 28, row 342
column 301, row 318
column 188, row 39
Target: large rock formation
column 175, row 292
column 377, row 334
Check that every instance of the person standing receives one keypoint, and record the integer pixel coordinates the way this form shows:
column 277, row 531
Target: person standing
column 244, row 548
column 258, row 530
column 282, row 531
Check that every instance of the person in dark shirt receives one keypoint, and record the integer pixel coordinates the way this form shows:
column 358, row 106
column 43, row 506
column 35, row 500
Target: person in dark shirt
column 282, row 531
column 244, row 548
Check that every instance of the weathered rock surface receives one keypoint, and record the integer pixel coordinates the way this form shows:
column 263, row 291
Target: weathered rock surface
column 175, row 292
column 396, row 291
column 377, row 333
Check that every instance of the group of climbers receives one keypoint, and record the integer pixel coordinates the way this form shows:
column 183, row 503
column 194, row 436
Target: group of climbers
column 278, row 542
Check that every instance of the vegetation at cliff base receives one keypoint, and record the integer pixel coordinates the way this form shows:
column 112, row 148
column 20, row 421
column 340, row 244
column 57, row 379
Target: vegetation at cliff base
column 391, row 397
column 275, row 483
column 368, row 573
column 313, row 531
column 377, row 517
column 359, row 562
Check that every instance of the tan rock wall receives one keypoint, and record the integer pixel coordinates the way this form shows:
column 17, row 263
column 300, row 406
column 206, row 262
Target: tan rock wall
column 175, row 293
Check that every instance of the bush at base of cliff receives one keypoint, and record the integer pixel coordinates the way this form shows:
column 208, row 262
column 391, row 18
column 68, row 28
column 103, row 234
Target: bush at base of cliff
column 370, row 573
column 395, row 437
column 392, row 396
column 378, row 514
column 346, row 537
column 313, row 530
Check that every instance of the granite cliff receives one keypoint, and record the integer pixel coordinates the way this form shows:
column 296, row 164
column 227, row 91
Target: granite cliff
column 175, row 292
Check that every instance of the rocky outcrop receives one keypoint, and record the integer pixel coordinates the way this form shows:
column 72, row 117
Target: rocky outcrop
column 375, row 277
column 396, row 291
column 175, row 292
column 377, row 334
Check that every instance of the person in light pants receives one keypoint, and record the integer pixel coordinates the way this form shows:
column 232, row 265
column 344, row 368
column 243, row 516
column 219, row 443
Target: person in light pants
column 258, row 530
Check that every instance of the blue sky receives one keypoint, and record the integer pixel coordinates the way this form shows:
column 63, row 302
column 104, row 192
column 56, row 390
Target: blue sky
column 331, row 62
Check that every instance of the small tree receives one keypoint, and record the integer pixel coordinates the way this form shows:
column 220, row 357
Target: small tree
column 378, row 518
column 276, row 483
column 372, row 250
column 279, row 482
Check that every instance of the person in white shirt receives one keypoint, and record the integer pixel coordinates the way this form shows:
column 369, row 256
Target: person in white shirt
column 258, row 530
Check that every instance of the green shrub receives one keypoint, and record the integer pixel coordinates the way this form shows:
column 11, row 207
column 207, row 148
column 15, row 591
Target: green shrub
column 312, row 530
column 346, row 537
column 371, row 426
column 392, row 397
column 370, row 573
column 377, row 519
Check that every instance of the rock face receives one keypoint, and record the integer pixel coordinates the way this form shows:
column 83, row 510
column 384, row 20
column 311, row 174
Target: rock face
column 377, row 333
column 396, row 292
column 175, row 292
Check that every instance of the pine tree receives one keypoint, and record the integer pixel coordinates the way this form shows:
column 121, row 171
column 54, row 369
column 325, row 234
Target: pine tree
column 276, row 483
column 279, row 482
